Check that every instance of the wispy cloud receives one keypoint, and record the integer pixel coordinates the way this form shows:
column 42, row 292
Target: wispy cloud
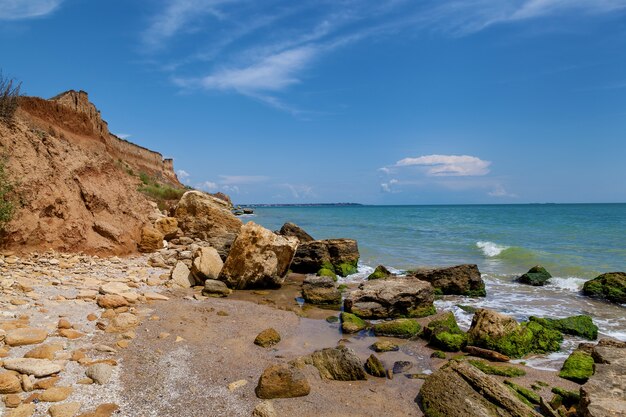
column 182, row 174
column 123, row 135
column 242, row 179
column 448, row 165
column 208, row 186
column 299, row 191
column 387, row 187
column 27, row 9
column 499, row 191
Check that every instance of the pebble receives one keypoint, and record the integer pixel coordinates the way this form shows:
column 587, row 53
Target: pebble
column 100, row 373
column 64, row 410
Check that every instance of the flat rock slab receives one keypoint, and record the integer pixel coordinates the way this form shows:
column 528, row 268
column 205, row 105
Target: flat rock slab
column 25, row 336
column 116, row 288
column 29, row 366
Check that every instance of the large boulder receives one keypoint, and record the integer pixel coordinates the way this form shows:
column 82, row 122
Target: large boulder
column 611, row 286
column 604, row 394
column 459, row 279
column 151, row 240
column 168, row 226
column 339, row 364
column 394, row 297
column 258, row 258
column 339, row 255
column 536, row 276
column 502, row 333
column 320, row 290
column 207, row 264
column 291, row 229
column 208, row 218
column 460, row 390
column 581, row 325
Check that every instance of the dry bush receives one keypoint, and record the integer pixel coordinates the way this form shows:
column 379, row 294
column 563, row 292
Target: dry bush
column 9, row 94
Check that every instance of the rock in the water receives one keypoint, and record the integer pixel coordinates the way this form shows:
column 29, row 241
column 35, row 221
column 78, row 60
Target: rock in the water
column 209, row 218
column 394, row 297
column 215, row 288
column 258, row 258
column 401, row 366
column 339, row 255
column 444, row 333
column 459, row 279
column 29, row 366
column 267, row 338
column 351, row 323
column 181, row 275
column 167, row 226
column 320, row 290
column 576, row 325
column 9, row 383
column 604, row 394
column 379, row 273
column 402, row 328
column 499, row 332
column 339, row 364
column 282, row 381
column 290, row 229
column 100, row 373
column 207, row 264
column 460, row 390
column 536, row 276
column 375, row 367
column 384, row 346
column 25, row 336
column 578, row 367
column 611, row 286
column 151, row 239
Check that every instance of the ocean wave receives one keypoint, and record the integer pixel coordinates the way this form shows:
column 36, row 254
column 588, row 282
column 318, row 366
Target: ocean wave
column 363, row 271
column 491, row 249
column 573, row 284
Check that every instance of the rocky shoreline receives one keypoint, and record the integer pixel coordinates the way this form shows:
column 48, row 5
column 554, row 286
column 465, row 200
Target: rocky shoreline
column 232, row 319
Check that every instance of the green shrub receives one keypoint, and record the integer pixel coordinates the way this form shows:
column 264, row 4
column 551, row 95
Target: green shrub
column 9, row 95
column 7, row 203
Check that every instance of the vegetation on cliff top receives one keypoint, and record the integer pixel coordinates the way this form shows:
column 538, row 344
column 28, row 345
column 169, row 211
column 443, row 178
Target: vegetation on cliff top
column 162, row 194
column 9, row 95
column 7, row 200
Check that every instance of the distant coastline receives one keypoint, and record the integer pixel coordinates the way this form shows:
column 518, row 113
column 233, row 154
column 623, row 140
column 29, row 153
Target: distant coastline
column 304, row 205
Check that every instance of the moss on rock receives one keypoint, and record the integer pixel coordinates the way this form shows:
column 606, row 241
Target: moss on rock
column 423, row 311
column 325, row 272
column 445, row 334
column 384, row 346
column 536, row 276
column 527, row 394
column 578, row 367
column 375, row 367
column 576, row 325
column 351, row 323
column 379, row 273
column 438, row 354
column 402, row 328
column 344, row 269
column 611, row 286
column 501, row 370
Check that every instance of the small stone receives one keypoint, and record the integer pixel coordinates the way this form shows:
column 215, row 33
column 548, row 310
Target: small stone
column 12, row 400
column 384, row 346
column 64, row 410
column 85, row 381
column 70, row 334
column 27, row 383
column 112, row 301
column 92, row 317
column 215, row 288
column 179, row 339
column 24, row 410
column 44, row 351
column 100, row 373
column 401, row 366
column 122, row 322
column 56, row 394
column 374, row 367
column 237, row 384
column 46, row 383
column 9, row 383
column 267, row 338
column 181, row 275
column 25, row 336
column 122, row 344
column 103, row 410
column 116, row 288
column 264, row 409
column 222, row 313
column 37, row 367
column 163, row 335
column 78, row 355
column 64, row 324
column 155, row 296
column 282, row 381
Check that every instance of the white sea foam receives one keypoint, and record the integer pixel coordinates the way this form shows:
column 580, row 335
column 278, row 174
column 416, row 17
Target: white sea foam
column 491, row 249
column 569, row 283
column 363, row 271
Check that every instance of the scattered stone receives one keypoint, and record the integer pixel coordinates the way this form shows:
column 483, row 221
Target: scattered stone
column 206, row 264
column 350, row 323
column 46, row 383
column 115, row 288
column 151, row 239
column 339, row 364
column 233, row 386
column 23, row 410
column 9, row 383
column 44, row 351
column 402, row 328
column 64, row 410
column 122, row 322
column 394, row 297
column 267, row 338
column 215, row 288
column 181, row 275
column 25, row 336
column 163, row 335
column 123, row 344
column 222, row 313
column 155, row 296
column 264, row 409
column 55, row 394
column 384, row 346
column 37, row 367
column 375, row 367
column 12, row 400
column 401, row 366
column 70, row 334
column 282, row 381
column 100, row 373
column 103, row 410
column 112, row 301
column 64, row 324
column 536, row 276
column 320, row 290
column 258, row 258
column 460, row 279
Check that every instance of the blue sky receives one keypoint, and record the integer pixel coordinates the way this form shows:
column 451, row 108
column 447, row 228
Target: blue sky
column 383, row 102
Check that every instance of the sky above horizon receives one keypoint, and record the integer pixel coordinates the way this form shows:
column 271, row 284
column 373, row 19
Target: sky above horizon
column 374, row 102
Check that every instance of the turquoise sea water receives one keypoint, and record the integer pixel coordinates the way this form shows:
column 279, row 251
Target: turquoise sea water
column 575, row 242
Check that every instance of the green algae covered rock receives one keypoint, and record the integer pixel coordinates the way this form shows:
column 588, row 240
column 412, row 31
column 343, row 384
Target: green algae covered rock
column 402, row 328
column 384, row 346
column 379, row 273
column 325, row 272
column 457, row 280
column 576, row 325
column 351, row 323
column 501, row 370
column 444, row 333
column 375, row 367
column 346, row 268
column 536, row 276
column 611, row 286
column 578, row 367
column 499, row 332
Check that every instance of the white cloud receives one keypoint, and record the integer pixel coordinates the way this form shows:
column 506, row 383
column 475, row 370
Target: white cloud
column 231, row 189
column 208, row 186
column 123, row 135
column 448, row 165
column 182, row 174
column 26, row 9
column 299, row 191
column 242, row 179
column 387, row 187
column 500, row 191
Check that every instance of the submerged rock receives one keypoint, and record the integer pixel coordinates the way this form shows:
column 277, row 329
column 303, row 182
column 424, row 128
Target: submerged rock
column 339, row 364
column 397, row 297
column 459, row 279
column 611, row 286
column 460, row 390
column 351, row 323
column 375, row 367
column 536, row 276
column 384, row 346
column 258, row 259
column 291, row 229
column 320, row 290
column 402, row 328
column 282, row 381
column 339, row 255
column 502, row 333
column 576, row 325
column 444, row 333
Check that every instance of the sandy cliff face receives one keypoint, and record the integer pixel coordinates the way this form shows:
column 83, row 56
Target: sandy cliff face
column 75, row 192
